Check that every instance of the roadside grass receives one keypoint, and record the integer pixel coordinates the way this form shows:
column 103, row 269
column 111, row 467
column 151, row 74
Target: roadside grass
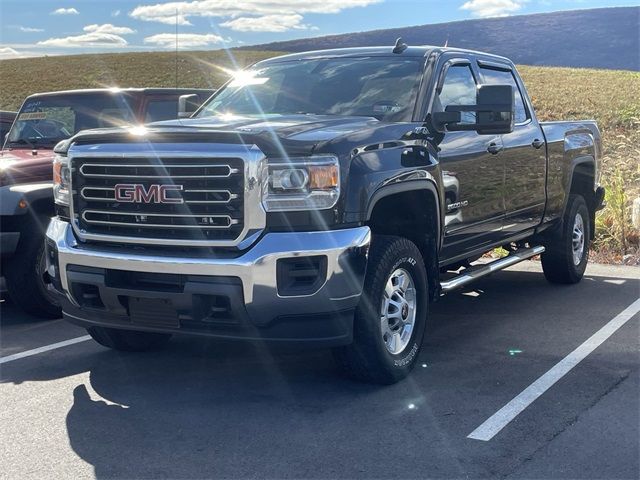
column 610, row 97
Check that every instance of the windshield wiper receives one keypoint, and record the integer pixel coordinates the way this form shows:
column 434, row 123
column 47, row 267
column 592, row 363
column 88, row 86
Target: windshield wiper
column 22, row 141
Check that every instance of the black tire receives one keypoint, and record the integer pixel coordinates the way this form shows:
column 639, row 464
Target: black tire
column 368, row 359
column 558, row 261
column 128, row 340
column 24, row 275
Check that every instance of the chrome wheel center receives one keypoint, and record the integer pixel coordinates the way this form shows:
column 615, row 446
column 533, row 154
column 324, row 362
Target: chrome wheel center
column 578, row 240
column 398, row 311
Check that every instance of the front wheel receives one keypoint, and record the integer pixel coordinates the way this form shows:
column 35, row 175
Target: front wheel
column 391, row 318
column 25, row 277
column 567, row 253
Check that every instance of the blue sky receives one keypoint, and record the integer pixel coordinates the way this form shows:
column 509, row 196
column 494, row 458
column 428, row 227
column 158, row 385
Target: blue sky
column 54, row 27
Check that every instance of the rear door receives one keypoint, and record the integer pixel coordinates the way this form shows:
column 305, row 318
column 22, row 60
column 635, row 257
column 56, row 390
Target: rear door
column 524, row 156
column 473, row 169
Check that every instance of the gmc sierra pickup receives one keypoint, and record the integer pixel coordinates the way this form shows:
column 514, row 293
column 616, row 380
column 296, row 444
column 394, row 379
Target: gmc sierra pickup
column 321, row 198
column 26, row 196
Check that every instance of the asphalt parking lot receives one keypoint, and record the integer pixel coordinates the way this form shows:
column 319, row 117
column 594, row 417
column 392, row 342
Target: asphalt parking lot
column 202, row 408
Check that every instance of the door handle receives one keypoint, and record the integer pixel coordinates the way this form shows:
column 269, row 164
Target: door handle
column 494, row 148
column 537, row 143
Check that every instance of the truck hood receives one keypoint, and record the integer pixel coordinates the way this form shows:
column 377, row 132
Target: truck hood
column 20, row 165
column 296, row 134
column 304, row 128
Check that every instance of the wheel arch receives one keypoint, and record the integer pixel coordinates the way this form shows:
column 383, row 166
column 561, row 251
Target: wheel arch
column 410, row 209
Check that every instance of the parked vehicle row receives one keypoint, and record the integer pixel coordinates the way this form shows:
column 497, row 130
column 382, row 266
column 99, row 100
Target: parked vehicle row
column 318, row 198
column 26, row 195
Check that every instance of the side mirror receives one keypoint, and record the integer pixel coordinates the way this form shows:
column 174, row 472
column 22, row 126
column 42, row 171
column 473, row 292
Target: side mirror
column 494, row 112
column 187, row 105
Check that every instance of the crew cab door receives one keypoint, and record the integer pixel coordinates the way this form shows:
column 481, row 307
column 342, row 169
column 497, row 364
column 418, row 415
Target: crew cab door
column 524, row 156
column 472, row 167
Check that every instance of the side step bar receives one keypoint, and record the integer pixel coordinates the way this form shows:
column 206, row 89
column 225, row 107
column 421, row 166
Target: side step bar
column 471, row 274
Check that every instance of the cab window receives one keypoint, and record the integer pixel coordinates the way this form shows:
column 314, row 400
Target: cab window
column 158, row 110
column 492, row 76
column 459, row 88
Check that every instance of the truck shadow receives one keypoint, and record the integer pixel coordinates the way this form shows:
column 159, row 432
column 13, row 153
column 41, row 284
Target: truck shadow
column 204, row 408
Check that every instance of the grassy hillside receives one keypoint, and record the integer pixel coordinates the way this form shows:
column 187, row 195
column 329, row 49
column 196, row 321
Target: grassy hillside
column 22, row 77
column 610, row 97
column 594, row 38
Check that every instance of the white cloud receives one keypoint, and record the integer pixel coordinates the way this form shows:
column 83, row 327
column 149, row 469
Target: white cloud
column 108, row 28
column 266, row 23
column 93, row 39
column 493, row 8
column 30, row 29
column 8, row 52
column 171, row 12
column 65, row 11
column 185, row 40
column 116, row 13
column 106, row 35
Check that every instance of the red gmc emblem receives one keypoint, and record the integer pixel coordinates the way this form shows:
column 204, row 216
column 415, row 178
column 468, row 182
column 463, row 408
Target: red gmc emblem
column 138, row 193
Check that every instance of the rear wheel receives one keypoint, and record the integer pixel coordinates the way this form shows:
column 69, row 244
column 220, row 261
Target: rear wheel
column 128, row 340
column 567, row 253
column 391, row 318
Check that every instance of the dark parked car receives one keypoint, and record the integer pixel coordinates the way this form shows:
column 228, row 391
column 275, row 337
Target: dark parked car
column 26, row 198
column 317, row 198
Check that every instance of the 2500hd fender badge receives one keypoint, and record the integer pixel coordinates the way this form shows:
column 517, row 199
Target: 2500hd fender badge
column 138, row 193
column 456, row 205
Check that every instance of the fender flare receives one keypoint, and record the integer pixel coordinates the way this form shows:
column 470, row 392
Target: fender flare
column 12, row 195
column 580, row 160
column 408, row 186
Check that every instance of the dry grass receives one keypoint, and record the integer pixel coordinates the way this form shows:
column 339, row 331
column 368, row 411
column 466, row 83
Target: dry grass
column 23, row 77
column 610, row 97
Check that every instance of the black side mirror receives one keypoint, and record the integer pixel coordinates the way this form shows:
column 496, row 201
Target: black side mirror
column 494, row 112
column 187, row 105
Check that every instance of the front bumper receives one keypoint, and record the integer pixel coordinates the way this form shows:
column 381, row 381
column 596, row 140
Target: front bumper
column 244, row 296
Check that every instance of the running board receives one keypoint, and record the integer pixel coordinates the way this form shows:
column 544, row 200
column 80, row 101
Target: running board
column 471, row 274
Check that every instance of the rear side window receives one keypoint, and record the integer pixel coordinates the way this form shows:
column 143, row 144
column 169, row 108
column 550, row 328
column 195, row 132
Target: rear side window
column 158, row 110
column 493, row 76
column 459, row 88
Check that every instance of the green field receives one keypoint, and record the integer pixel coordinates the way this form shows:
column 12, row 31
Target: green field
column 612, row 98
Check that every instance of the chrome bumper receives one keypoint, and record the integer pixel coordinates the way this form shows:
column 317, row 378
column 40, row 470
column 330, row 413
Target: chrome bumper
column 346, row 252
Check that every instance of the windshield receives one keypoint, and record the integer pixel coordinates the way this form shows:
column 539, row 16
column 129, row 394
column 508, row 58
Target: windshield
column 381, row 87
column 44, row 121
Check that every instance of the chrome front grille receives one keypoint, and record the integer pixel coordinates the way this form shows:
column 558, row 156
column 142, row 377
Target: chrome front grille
column 167, row 195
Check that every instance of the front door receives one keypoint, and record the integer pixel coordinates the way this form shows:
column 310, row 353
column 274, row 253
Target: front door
column 473, row 172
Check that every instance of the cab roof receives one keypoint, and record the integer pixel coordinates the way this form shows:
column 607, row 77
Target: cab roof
column 386, row 51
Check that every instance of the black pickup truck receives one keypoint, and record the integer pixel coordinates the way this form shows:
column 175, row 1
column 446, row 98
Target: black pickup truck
column 322, row 198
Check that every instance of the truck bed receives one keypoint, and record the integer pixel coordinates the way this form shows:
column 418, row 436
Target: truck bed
column 567, row 143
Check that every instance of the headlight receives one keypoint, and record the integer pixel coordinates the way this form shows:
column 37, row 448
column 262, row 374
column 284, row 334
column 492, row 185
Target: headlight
column 308, row 183
column 61, row 180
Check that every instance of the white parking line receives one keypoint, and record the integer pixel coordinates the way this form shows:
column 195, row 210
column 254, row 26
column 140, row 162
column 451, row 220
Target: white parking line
column 511, row 410
column 46, row 348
